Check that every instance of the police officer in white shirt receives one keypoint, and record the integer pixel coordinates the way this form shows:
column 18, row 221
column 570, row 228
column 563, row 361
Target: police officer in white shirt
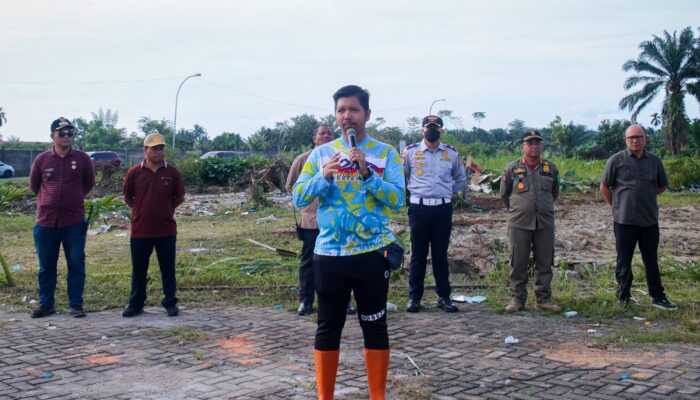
column 434, row 173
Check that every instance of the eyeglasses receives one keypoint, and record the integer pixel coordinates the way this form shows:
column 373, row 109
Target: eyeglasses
column 533, row 143
column 635, row 138
column 66, row 132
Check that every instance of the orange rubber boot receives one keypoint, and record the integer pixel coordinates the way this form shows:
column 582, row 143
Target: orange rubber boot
column 326, row 370
column 377, row 367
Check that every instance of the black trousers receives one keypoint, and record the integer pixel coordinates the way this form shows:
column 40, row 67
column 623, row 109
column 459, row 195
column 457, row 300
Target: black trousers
column 626, row 239
column 367, row 275
column 431, row 226
column 141, row 250
column 306, row 266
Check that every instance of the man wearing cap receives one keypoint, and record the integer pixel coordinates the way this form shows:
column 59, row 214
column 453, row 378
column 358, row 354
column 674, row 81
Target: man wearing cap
column 632, row 179
column 60, row 178
column 529, row 188
column 308, row 228
column 434, row 173
column 153, row 189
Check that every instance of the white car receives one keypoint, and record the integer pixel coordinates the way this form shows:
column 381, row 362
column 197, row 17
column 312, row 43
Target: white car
column 6, row 170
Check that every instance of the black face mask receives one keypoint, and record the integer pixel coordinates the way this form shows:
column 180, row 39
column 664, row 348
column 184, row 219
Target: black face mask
column 432, row 134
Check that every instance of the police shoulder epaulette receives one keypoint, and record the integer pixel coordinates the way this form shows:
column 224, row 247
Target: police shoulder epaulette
column 410, row 146
column 451, row 147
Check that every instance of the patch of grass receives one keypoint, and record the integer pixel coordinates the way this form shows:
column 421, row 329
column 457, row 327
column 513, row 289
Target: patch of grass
column 184, row 332
column 198, row 354
column 594, row 298
column 678, row 199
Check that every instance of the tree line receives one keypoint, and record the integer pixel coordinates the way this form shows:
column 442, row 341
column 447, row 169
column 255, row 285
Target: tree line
column 667, row 65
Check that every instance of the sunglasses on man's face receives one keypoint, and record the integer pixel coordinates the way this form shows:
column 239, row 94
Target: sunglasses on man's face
column 66, row 132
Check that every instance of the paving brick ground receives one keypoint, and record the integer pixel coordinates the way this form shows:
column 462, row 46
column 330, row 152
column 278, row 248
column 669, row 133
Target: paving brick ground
column 252, row 353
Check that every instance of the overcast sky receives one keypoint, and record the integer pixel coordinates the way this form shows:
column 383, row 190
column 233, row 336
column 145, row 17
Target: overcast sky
column 266, row 61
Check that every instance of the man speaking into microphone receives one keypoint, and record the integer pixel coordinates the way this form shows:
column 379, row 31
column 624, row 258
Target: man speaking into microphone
column 358, row 181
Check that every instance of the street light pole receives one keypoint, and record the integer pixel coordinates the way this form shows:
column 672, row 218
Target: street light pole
column 176, row 96
column 431, row 106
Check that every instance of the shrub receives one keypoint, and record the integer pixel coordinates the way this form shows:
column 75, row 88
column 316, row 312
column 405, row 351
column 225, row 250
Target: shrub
column 192, row 173
column 682, row 171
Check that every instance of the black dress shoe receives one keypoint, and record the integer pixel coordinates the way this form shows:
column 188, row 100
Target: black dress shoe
column 305, row 309
column 77, row 312
column 351, row 309
column 446, row 304
column 43, row 311
column 130, row 311
column 413, row 306
column 172, row 311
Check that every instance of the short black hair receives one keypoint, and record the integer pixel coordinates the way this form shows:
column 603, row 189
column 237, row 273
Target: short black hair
column 353, row 91
column 316, row 129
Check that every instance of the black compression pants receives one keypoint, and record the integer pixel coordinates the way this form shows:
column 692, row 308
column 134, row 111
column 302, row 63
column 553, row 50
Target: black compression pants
column 335, row 277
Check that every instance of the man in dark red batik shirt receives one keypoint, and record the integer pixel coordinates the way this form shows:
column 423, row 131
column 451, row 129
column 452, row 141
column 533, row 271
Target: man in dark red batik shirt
column 153, row 189
column 60, row 178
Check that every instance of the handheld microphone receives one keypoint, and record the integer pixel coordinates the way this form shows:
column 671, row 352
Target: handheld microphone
column 353, row 143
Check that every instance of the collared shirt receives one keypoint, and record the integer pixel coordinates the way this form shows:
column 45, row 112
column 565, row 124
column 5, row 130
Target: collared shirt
column 60, row 185
column 308, row 213
column 353, row 214
column 634, row 182
column 529, row 194
column 433, row 174
column 153, row 197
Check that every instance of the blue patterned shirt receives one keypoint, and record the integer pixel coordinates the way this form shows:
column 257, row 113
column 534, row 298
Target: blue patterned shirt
column 353, row 214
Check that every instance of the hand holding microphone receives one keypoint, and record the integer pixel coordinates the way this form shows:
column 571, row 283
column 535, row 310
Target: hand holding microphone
column 357, row 156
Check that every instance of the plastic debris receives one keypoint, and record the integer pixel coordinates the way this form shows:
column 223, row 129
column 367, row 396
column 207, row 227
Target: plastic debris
column 99, row 229
column 16, row 267
column 391, row 306
column 468, row 299
column 508, row 382
column 32, row 301
column 48, row 375
column 197, row 250
column 269, row 218
column 639, row 318
column 278, row 306
column 104, row 338
column 50, row 327
column 624, row 377
column 124, row 234
column 511, row 340
column 25, row 298
column 591, row 331
column 570, row 314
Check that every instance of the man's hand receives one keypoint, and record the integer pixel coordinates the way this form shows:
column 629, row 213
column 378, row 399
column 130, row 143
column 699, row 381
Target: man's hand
column 331, row 166
column 606, row 192
column 357, row 155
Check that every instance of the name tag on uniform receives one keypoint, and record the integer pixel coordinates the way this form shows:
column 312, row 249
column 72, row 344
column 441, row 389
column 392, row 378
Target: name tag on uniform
column 47, row 170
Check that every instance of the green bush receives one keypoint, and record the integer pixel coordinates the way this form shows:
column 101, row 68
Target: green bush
column 682, row 171
column 224, row 172
column 192, row 172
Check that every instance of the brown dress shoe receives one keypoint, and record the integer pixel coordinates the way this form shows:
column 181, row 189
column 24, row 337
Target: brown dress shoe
column 551, row 307
column 514, row 306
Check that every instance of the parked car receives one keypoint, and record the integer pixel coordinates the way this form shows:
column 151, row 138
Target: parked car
column 6, row 170
column 100, row 159
column 219, row 154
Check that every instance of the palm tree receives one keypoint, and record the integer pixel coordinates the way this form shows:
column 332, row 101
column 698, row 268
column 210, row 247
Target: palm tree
column 664, row 62
column 655, row 119
column 3, row 119
column 478, row 117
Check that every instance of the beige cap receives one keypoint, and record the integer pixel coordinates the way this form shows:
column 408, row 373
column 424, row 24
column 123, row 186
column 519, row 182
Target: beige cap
column 154, row 139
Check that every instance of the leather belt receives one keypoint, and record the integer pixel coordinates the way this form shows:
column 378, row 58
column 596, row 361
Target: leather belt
column 429, row 202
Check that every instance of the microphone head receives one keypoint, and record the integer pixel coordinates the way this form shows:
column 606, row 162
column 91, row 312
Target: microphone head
column 351, row 135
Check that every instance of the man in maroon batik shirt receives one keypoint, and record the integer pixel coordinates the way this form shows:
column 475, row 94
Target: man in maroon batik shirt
column 153, row 189
column 60, row 178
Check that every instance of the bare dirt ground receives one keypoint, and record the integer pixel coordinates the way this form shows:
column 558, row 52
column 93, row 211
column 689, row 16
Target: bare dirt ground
column 584, row 233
